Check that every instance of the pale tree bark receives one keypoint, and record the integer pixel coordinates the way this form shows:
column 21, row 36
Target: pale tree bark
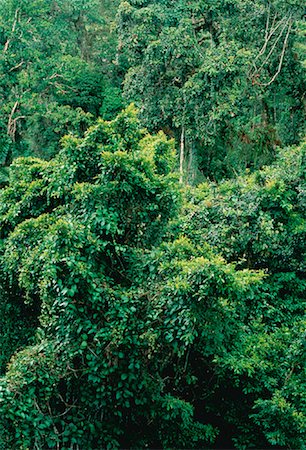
column 182, row 153
column 191, row 164
column 281, row 57
column 275, row 33
column 12, row 122
column 6, row 45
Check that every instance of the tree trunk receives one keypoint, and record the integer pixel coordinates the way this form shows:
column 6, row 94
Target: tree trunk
column 182, row 154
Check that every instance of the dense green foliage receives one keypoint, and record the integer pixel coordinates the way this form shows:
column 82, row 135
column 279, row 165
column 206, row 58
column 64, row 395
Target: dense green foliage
column 56, row 72
column 259, row 222
column 134, row 327
column 72, row 232
column 136, row 310
column 226, row 76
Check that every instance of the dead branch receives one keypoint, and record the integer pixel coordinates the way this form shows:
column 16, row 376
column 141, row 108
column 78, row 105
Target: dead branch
column 268, row 23
column 56, row 75
column 281, row 57
column 274, row 45
column 182, row 151
column 6, row 45
column 12, row 122
column 14, row 126
column 269, row 34
column 17, row 66
column 271, row 38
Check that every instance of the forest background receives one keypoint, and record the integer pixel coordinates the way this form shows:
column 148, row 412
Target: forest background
column 152, row 224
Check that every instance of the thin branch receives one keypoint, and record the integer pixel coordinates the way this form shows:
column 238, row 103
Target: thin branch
column 268, row 37
column 275, row 44
column 17, row 66
column 6, row 45
column 286, row 24
column 182, row 153
column 268, row 23
column 55, row 75
column 281, row 58
column 10, row 124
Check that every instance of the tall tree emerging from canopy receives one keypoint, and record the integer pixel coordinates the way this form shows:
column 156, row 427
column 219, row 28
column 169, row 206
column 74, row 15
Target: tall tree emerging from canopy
column 225, row 77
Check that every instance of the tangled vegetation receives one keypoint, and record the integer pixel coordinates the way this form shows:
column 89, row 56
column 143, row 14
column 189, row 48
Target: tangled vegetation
column 152, row 283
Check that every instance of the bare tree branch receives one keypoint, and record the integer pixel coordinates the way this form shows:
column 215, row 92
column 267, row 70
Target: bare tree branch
column 281, row 58
column 12, row 122
column 6, row 45
column 182, row 151
column 273, row 35
column 275, row 44
column 17, row 66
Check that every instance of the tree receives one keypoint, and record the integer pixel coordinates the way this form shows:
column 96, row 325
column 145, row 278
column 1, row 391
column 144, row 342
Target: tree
column 73, row 230
column 136, row 311
column 50, row 87
column 135, row 338
column 223, row 77
column 259, row 222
